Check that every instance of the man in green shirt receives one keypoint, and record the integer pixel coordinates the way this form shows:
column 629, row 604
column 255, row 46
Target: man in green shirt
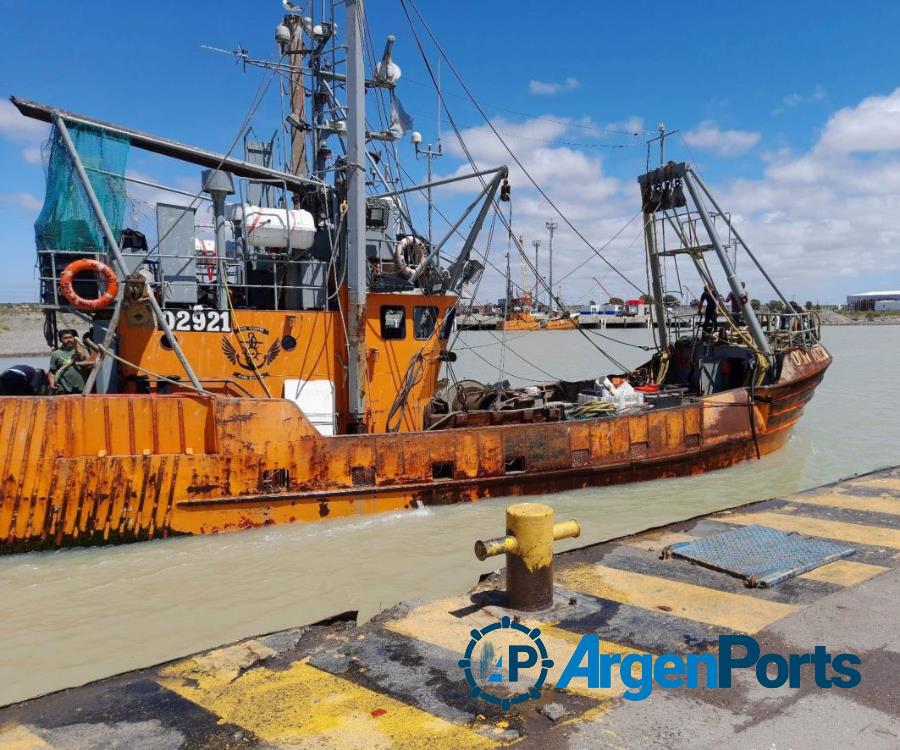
column 69, row 364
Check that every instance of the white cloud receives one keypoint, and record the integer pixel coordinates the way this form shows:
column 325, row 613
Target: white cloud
column 872, row 125
column 32, row 154
column 576, row 180
column 25, row 201
column 819, row 93
column 709, row 136
column 820, row 218
column 24, row 131
column 823, row 221
column 565, row 172
column 633, row 125
column 543, row 88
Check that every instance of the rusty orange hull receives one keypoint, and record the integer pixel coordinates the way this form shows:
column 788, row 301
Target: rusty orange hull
column 104, row 469
column 560, row 324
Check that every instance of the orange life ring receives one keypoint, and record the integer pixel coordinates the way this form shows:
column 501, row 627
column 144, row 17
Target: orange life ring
column 67, row 278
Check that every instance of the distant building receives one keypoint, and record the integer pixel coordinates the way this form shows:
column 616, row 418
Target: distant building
column 874, row 301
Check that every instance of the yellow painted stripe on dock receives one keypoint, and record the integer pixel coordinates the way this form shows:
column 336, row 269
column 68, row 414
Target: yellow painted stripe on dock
column 433, row 623
column 887, row 483
column 855, row 533
column 883, row 504
column 741, row 612
column 18, row 737
column 304, row 707
column 844, row 573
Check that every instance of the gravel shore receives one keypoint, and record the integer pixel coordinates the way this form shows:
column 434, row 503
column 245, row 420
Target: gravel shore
column 22, row 330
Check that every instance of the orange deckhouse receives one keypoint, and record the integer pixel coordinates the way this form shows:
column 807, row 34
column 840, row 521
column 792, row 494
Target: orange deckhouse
column 287, row 365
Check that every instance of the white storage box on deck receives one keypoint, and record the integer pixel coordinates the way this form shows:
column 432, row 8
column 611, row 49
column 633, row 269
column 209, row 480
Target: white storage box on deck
column 316, row 400
column 625, row 400
column 270, row 227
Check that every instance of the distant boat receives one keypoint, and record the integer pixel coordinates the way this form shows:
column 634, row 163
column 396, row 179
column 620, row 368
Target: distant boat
column 565, row 322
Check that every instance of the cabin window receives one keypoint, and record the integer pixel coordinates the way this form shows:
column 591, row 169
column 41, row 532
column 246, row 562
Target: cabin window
column 424, row 321
column 377, row 217
column 447, row 326
column 393, row 322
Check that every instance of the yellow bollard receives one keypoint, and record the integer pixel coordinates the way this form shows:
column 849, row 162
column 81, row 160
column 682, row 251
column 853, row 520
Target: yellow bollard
column 528, row 546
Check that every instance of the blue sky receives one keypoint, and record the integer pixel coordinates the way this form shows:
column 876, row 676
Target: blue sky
column 788, row 108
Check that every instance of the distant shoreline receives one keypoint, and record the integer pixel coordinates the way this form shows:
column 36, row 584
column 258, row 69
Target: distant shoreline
column 22, row 328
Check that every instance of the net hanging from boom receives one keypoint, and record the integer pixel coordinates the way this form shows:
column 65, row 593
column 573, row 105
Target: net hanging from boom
column 67, row 222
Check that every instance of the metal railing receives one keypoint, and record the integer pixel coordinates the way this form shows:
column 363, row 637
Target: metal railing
column 205, row 280
column 784, row 330
column 788, row 330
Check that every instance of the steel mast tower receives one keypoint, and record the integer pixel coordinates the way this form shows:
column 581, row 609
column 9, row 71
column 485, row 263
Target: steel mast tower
column 356, row 217
column 551, row 228
column 430, row 154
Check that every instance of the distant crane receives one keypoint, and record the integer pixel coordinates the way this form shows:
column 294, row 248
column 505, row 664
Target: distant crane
column 608, row 293
column 526, row 290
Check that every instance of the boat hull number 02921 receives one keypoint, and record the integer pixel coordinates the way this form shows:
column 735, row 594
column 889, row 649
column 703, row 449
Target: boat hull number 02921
column 205, row 321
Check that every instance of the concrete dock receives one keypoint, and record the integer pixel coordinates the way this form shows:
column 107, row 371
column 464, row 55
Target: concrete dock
column 396, row 681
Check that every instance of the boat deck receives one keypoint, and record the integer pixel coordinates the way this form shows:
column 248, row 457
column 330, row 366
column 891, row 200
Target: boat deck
column 395, row 681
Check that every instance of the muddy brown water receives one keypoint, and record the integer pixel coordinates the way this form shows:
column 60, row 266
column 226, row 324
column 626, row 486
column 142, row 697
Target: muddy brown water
column 77, row 615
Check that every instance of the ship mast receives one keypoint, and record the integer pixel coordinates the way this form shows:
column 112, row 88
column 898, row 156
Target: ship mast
column 356, row 217
column 295, row 51
column 659, row 306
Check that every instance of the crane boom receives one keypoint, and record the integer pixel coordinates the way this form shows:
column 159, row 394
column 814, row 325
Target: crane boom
column 608, row 293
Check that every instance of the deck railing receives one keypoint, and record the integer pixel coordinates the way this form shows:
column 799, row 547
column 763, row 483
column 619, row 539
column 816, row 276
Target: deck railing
column 785, row 330
column 788, row 330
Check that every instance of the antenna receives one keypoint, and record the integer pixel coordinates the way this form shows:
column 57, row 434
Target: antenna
column 537, row 247
column 663, row 134
column 551, row 228
column 438, row 102
column 430, row 154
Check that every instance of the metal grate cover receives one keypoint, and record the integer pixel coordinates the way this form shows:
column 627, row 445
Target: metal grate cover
column 760, row 555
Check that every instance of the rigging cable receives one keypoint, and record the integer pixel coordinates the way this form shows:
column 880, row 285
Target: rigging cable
column 475, row 168
column 258, row 97
column 494, row 130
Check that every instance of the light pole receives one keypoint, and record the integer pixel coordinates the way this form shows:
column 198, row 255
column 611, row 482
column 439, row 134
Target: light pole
column 551, row 228
column 430, row 154
column 537, row 273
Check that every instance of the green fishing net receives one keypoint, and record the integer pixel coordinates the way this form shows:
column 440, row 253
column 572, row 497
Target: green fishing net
column 67, row 221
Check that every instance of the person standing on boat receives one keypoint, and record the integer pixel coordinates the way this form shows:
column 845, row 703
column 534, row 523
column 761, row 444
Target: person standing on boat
column 69, row 363
column 710, row 299
column 737, row 304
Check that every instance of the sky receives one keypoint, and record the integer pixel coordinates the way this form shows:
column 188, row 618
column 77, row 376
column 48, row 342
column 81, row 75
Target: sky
column 790, row 111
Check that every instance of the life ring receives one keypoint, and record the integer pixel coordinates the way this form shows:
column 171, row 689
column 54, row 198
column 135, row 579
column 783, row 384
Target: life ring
column 405, row 265
column 67, row 279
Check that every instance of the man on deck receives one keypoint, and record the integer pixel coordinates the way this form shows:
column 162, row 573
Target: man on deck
column 69, row 364
column 708, row 301
column 737, row 304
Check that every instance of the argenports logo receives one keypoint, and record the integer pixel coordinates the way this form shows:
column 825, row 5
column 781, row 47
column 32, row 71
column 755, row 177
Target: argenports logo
column 507, row 663
column 523, row 674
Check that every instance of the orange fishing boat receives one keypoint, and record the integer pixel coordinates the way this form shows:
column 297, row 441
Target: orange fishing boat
column 562, row 323
column 290, row 368
column 519, row 320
